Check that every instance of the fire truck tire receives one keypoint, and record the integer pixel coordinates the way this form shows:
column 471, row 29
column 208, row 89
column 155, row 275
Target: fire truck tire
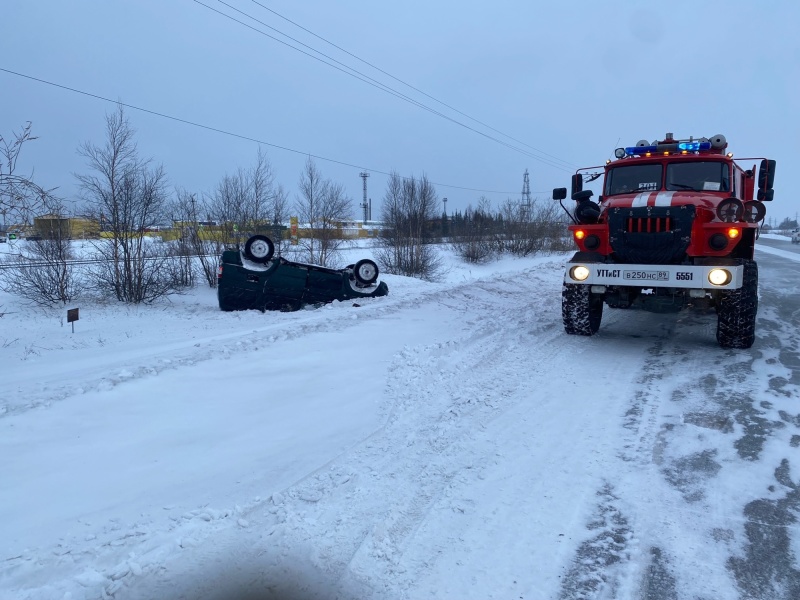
column 581, row 310
column 736, row 311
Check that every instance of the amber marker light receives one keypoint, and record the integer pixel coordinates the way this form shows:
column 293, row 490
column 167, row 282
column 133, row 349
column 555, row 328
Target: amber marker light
column 733, row 233
column 580, row 234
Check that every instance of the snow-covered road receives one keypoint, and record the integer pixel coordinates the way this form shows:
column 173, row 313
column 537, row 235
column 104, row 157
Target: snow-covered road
column 448, row 441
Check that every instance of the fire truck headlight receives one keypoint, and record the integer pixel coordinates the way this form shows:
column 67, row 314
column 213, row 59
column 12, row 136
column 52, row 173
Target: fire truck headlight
column 719, row 277
column 579, row 273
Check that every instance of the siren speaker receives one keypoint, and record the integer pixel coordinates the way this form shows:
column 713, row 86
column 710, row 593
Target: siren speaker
column 642, row 143
column 718, row 142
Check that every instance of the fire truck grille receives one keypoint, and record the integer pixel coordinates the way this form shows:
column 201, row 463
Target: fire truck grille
column 648, row 224
column 650, row 235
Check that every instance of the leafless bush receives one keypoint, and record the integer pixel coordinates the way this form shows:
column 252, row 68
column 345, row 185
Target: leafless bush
column 518, row 229
column 410, row 210
column 322, row 205
column 42, row 271
column 41, row 274
column 152, row 272
column 473, row 237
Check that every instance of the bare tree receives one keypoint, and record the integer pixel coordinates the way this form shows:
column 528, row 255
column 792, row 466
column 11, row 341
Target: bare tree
column 20, row 198
column 189, row 244
column 128, row 196
column 410, row 212
column 245, row 203
column 322, row 205
column 261, row 190
column 279, row 217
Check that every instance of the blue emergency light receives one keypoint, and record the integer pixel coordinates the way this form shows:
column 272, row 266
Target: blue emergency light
column 694, row 146
column 679, row 147
column 636, row 150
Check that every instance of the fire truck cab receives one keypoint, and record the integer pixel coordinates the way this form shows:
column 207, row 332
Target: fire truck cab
column 674, row 228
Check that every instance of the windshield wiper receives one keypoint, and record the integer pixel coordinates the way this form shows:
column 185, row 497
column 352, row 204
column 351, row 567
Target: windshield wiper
column 684, row 186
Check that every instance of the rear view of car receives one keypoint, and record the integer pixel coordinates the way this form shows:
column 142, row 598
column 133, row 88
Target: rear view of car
column 254, row 279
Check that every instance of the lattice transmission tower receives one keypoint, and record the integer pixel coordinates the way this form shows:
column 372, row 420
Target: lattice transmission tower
column 526, row 193
column 364, row 203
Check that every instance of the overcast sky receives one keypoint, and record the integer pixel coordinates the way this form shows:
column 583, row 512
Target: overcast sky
column 569, row 81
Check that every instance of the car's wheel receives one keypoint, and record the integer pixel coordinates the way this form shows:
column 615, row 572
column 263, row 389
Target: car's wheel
column 259, row 248
column 581, row 310
column 366, row 272
column 736, row 311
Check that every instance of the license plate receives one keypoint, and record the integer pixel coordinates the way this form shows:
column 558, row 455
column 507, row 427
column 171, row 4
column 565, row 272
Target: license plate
column 646, row 275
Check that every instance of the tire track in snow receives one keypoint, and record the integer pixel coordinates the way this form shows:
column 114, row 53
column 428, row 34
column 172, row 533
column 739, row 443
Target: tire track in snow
column 701, row 421
column 395, row 478
column 158, row 546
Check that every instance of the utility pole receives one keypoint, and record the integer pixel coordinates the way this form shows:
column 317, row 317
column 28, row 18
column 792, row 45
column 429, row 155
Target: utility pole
column 526, row 194
column 444, row 200
column 364, row 203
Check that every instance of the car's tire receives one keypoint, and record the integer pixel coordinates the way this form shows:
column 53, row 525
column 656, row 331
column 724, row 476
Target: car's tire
column 581, row 310
column 259, row 248
column 365, row 272
column 737, row 309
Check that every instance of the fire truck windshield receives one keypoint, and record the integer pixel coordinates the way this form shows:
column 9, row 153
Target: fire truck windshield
column 710, row 176
column 633, row 178
column 698, row 176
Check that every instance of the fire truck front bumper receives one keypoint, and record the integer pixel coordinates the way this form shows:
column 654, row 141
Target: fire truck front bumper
column 705, row 277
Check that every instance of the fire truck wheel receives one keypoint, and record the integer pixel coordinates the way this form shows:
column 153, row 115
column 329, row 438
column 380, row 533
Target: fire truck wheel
column 736, row 311
column 581, row 310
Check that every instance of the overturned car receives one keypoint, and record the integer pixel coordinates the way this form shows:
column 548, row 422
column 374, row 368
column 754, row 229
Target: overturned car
column 254, row 279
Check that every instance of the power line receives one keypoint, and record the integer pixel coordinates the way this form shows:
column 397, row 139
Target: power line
column 231, row 134
column 365, row 78
column 369, row 64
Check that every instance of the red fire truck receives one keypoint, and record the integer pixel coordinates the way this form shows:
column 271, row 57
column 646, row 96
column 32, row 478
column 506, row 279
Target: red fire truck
column 674, row 228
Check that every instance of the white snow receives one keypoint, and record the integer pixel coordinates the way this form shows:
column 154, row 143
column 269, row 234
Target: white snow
column 446, row 441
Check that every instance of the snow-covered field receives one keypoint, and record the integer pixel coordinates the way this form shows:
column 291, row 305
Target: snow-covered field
column 447, row 441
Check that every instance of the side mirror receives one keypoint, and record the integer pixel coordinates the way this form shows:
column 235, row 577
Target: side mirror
column 766, row 175
column 559, row 193
column 766, row 195
column 577, row 184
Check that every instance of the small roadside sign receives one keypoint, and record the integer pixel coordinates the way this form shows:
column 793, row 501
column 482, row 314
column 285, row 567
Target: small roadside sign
column 72, row 316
